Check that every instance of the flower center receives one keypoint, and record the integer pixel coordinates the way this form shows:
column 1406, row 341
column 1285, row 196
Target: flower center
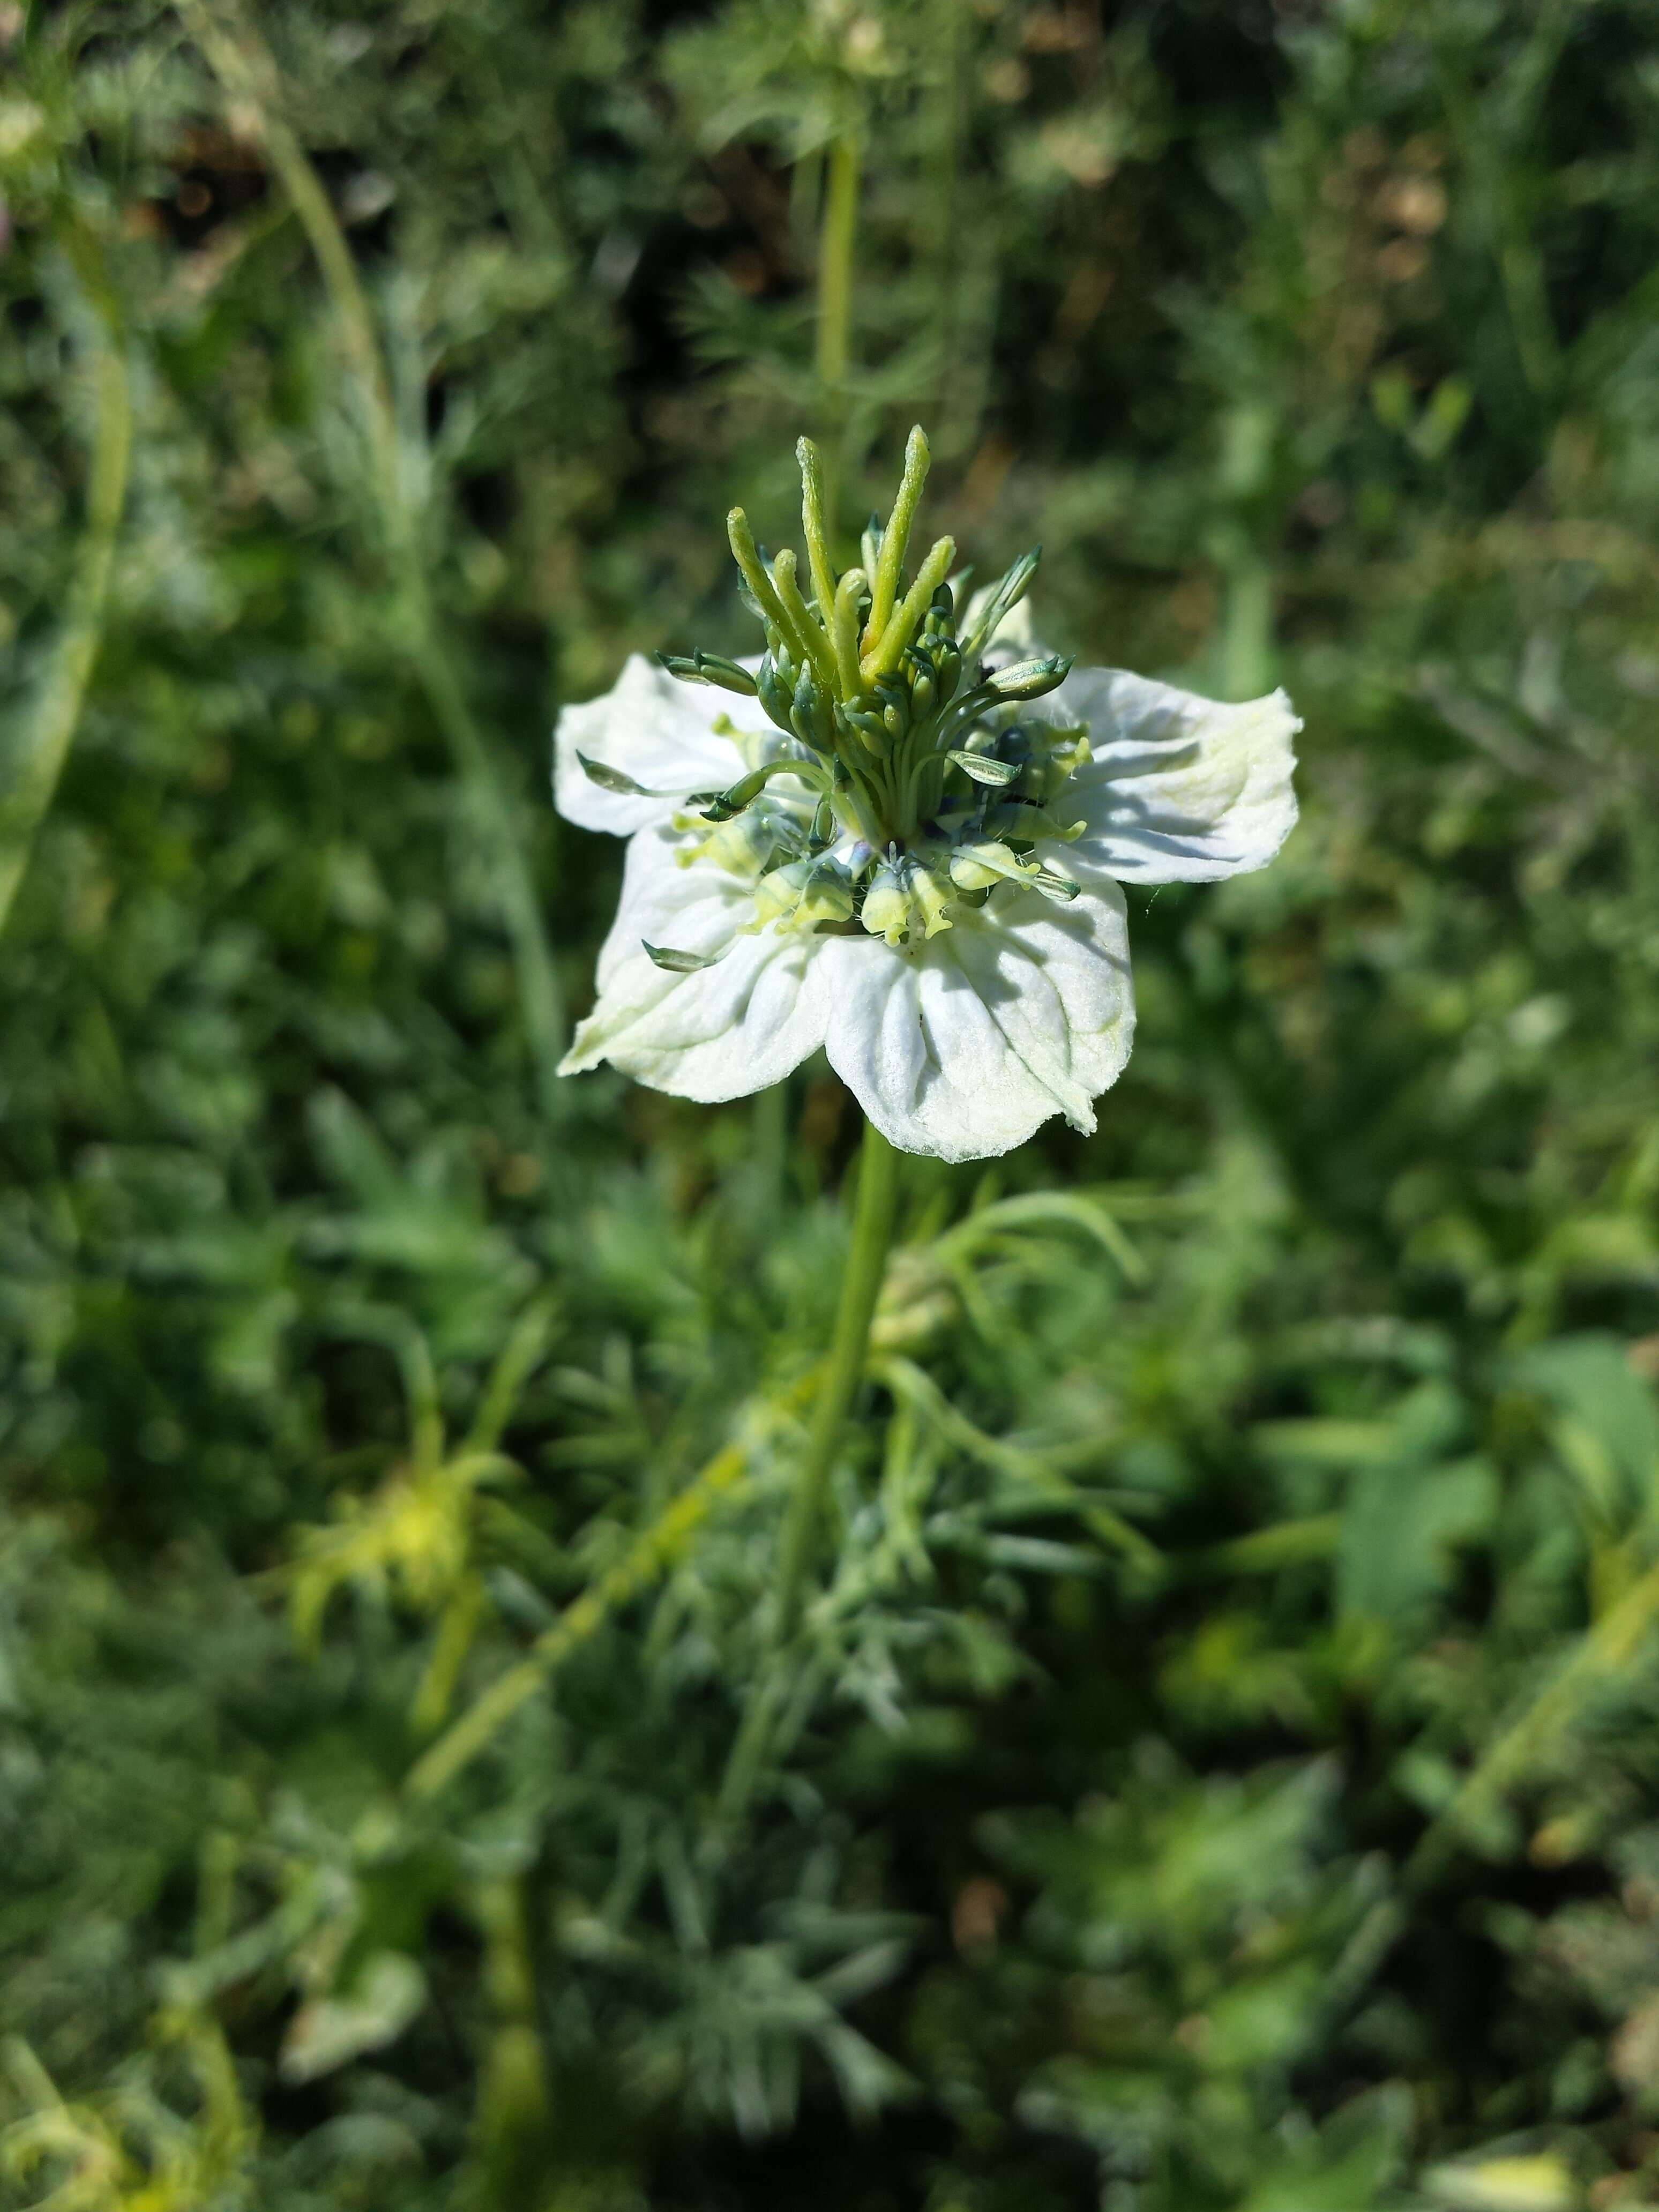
column 908, row 783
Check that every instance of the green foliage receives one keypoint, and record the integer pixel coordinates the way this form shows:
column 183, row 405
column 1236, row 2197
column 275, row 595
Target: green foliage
column 1216, row 1767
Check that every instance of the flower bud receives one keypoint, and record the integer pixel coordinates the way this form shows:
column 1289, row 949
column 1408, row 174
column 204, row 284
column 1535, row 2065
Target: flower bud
column 776, row 695
column 709, row 668
column 870, row 730
column 1029, row 679
column 895, row 706
column 810, row 717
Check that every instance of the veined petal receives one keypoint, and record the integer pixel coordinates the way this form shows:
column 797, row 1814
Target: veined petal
column 1180, row 789
column 963, row 1046
column 654, row 730
column 719, row 1032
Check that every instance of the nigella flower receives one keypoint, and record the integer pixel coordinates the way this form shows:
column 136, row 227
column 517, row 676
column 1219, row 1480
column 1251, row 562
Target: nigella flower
column 900, row 834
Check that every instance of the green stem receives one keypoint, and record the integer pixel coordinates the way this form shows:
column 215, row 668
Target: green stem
column 841, row 213
column 949, row 35
column 654, row 1552
column 860, row 1286
column 245, row 68
column 1247, row 628
column 248, row 74
column 31, row 772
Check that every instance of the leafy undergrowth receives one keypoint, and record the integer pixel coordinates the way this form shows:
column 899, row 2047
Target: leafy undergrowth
column 1218, row 1766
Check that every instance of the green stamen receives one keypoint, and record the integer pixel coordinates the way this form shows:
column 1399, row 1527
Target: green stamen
column 911, row 799
column 901, row 627
column 884, row 586
column 849, row 593
column 813, row 529
column 746, row 554
column 803, row 630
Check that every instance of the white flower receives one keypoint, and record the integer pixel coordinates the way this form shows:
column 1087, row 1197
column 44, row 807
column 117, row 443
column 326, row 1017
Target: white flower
column 927, row 882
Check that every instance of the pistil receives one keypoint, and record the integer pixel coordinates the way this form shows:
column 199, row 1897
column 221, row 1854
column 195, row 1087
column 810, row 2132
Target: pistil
column 910, row 787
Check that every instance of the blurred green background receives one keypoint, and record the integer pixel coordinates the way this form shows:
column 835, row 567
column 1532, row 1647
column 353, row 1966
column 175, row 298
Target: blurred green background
column 1222, row 1769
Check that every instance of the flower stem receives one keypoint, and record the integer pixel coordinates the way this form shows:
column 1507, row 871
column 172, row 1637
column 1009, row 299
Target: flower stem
column 656, row 1548
column 860, row 1286
column 840, row 212
column 867, row 1262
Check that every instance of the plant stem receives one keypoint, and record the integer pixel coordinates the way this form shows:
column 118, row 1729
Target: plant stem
column 860, row 1286
column 31, row 772
column 654, row 1552
column 837, row 231
column 946, row 167
column 841, row 214
column 1247, row 627
column 248, row 74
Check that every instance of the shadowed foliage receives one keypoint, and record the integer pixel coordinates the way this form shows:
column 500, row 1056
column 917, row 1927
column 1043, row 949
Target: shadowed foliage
column 1217, row 1767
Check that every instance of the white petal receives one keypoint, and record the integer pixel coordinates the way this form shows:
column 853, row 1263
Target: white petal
column 1180, row 789
column 963, row 1046
column 657, row 731
column 719, row 1032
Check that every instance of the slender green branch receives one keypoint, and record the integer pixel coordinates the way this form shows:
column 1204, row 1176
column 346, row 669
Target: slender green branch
column 640, row 1565
column 30, row 774
column 913, row 1386
column 245, row 67
column 246, row 70
column 658, row 1547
